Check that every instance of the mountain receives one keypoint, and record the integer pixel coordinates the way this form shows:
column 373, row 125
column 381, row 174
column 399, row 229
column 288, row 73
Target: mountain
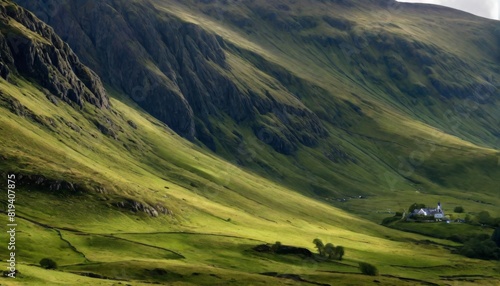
column 233, row 65
column 166, row 139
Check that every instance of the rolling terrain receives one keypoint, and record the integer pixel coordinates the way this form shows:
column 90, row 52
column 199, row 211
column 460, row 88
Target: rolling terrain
column 160, row 141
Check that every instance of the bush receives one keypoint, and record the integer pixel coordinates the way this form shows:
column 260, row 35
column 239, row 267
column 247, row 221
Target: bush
column 368, row 269
column 468, row 218
column 463, row 238
column 389, row 220
column 460, row 238
column 459, row 209
column 48, row 263
column 276, row 246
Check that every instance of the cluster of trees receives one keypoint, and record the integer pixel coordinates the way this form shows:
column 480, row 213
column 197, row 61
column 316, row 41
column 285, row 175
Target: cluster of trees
column 329, row 250
column 483, row 218
column 481, row 247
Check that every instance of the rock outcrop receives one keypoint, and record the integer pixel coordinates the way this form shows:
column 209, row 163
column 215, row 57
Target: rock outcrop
column 48, row 184
column 30, row 48
column 135, row 207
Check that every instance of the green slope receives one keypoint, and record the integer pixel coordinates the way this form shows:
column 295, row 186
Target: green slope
column 91, row 235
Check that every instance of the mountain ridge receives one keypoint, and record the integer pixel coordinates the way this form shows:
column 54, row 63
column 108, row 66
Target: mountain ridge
column 70, row 80
column 396, row 69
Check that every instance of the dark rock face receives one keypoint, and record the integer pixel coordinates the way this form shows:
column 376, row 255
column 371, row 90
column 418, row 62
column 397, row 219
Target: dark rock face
column 33, row 50
column 168, row 67
column 174, row 70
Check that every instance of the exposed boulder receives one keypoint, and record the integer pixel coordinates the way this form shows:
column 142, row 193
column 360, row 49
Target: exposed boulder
column 136, row 206
column 49, row 184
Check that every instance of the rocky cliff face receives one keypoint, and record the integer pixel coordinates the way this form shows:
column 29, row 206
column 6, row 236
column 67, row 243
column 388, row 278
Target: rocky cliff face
column 186, row 76
column 30, row 48
column 174, row 70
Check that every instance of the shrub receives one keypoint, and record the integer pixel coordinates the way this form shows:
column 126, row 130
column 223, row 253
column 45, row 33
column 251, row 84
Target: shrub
column 389, row 220
column 276, row 246
column 460, row 238
column 468, row 218
column 459, row 209
column 48, row 263
column 368, row 269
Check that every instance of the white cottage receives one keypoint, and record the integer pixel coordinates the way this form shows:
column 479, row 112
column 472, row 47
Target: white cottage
column 438, row 212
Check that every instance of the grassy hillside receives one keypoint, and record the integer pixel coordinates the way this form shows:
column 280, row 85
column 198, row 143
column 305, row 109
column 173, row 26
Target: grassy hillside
column 218, row 212
column 114, row 195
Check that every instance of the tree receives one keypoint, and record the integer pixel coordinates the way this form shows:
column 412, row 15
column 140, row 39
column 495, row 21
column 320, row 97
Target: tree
column 276, row 246
column 48, row 263
column 339, row 252
column 329, row 250
column 468, row 218
column 320, row 246
column 459, row 209
column 496, row 236
column 416, row 206
column 484, row 217
column 368, row 269
column 389, row 220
